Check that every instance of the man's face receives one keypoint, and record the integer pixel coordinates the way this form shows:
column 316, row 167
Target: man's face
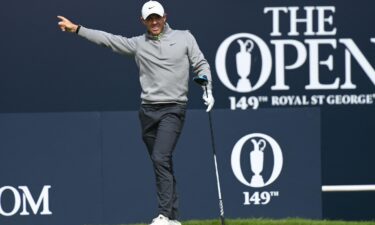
column 154, row 24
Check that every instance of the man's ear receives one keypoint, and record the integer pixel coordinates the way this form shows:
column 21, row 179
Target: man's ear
column 165, row 17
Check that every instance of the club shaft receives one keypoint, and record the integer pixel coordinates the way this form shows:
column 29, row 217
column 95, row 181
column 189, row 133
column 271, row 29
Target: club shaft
column 221, row 205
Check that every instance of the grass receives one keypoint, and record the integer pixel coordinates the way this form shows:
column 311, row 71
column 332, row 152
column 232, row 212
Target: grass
column 274, row 222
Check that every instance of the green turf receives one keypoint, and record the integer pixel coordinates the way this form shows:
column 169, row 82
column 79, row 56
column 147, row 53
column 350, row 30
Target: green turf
column 274, row 222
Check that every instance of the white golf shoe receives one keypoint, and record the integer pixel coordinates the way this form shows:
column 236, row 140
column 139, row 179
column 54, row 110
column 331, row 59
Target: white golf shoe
column 174, row 222
column 160, row 220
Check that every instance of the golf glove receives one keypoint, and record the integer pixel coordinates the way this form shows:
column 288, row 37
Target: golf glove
column 209, row 100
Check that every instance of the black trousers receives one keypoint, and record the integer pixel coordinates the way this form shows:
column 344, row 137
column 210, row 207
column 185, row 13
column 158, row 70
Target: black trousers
column 161, row 128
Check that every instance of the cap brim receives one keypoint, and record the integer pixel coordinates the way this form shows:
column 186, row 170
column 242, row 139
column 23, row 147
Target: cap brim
column 149, row 14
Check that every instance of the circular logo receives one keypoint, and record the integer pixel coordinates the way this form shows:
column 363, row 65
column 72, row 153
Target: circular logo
column 261, row 142
column 243, row 60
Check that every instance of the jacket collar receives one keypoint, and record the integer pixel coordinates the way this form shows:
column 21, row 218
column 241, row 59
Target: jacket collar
column 167, row 29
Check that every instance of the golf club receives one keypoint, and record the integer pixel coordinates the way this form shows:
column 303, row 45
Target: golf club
column 203, row 81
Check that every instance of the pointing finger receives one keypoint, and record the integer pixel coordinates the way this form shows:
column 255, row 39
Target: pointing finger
column 62, row 18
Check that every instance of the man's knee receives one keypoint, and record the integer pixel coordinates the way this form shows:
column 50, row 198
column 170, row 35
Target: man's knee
column 158, row 160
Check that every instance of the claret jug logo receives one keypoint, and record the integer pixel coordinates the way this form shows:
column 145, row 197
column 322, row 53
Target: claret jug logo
column 260, row 143
column 310, row 40
column 253, row 161
column 243, row 62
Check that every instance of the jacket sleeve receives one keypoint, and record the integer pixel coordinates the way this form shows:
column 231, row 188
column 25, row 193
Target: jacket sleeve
column 117, row 43
column 198, row 62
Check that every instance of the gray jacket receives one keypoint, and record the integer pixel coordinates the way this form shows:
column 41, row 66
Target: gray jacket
column 163, row 61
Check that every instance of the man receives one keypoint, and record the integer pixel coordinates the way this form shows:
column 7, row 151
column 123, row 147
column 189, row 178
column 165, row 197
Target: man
column 163, row 56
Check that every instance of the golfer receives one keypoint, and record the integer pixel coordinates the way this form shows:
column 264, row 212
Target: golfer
column 163, row 56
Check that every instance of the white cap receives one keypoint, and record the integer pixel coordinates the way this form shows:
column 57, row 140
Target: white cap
column 152, row 7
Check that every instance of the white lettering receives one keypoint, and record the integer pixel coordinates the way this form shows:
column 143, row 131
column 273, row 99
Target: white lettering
column 247, row 198
column 317, row 99
column 289, row 100
column 43, row 197
column 280, row 61
column 294, row 20
column 275, row 18
column 27, row 198
column 361, row 59
column 322, row 20
column 315, row 62
column 350, row 99
column 17, row 201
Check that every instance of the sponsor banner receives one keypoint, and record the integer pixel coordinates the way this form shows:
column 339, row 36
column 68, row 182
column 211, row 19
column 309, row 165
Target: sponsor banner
column 92, row 168
column 271, row 162
column 50, row 169
column 303, row 44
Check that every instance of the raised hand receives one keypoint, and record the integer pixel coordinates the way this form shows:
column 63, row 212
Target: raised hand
column 66, row 25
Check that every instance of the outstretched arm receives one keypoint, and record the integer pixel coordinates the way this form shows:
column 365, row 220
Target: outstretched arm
column 66, row 25
column 117, row 43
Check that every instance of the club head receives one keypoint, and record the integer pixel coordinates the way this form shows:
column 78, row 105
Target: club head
column 201, row 80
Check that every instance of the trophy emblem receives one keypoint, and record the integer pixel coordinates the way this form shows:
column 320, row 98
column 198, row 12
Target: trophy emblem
column 257, row 160
column 243, row 63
